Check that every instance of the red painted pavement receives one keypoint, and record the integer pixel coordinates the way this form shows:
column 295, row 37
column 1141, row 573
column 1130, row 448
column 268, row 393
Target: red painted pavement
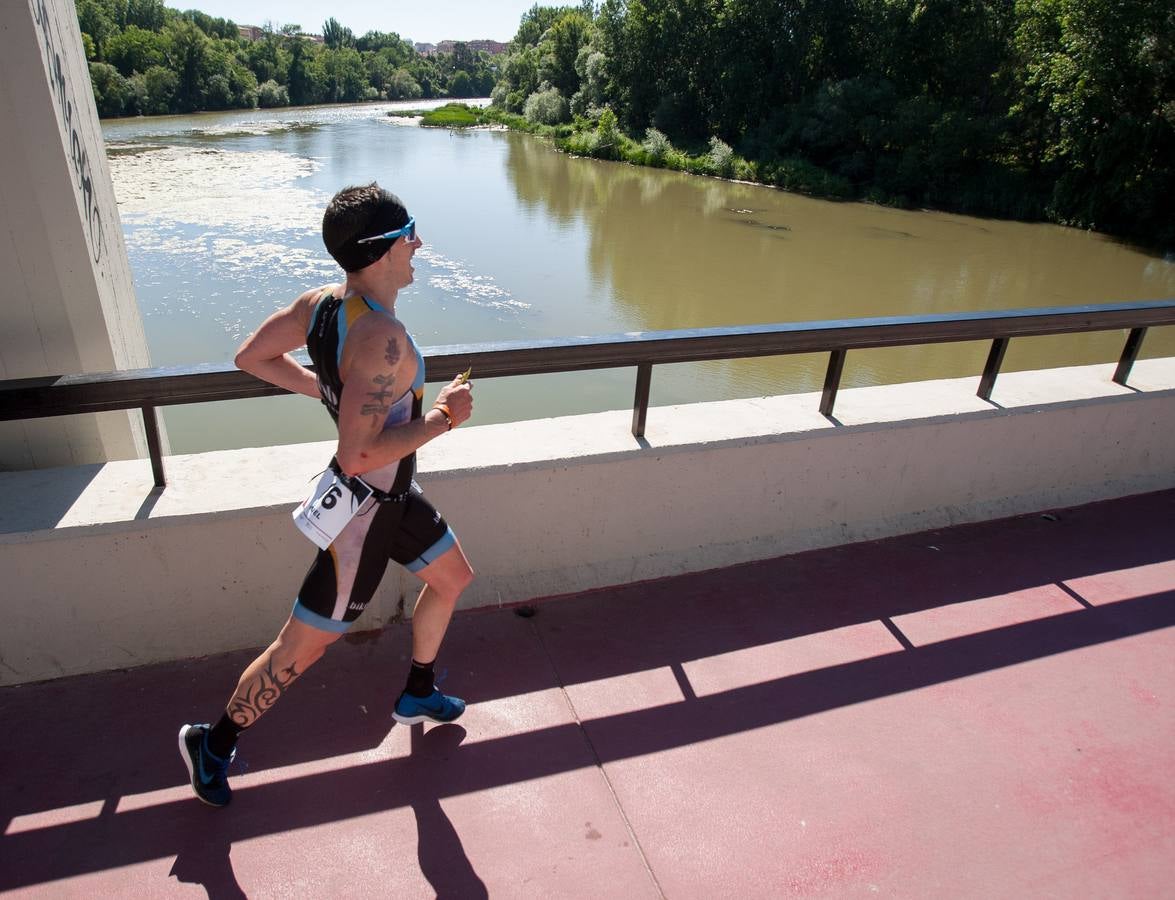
column 983, row 711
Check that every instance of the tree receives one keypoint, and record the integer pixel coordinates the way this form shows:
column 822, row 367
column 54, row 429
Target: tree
column 379, row 71
column 100, row 22
column 546, row 106
column 336, row 36
column 308, row 82
column 461, row 85
column 159, row 86
column 520, row 77
column 212, row 27
column 1096, row 99
column 591, row 67
column 345, row 76
column 534, row 24
column 464, row 59
column 560, row 48
column 150, row 15
column 402, row 86
column 111, row 90
column 134, row 50
column 424, row 70
column 270, row 94
column 375, row 41
column 268, row 60
column 185, row 48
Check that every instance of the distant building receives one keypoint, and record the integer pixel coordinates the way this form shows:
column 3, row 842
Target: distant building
column 256, row 32
column 425, row 49
column 493, row 48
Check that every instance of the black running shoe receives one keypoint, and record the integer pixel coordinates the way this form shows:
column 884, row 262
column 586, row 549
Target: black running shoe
column 209, row 773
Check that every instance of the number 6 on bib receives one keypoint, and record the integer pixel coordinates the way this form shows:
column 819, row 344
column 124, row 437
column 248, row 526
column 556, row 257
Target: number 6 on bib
column 331, row 505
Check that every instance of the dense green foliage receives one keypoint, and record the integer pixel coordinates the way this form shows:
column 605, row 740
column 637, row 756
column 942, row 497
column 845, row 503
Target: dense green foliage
column 451, row 115
column 146, row 58
column 1055, row 109
column 1042, row 109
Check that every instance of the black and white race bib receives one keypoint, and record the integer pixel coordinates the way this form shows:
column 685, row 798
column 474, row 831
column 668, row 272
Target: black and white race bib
column 331, row 505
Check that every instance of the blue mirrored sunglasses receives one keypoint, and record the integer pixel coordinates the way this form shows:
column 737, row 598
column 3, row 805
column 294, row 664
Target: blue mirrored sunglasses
column 408, row 230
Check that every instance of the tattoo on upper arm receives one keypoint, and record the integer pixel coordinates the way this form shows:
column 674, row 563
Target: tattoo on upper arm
column 392, row 353
column 381, row 401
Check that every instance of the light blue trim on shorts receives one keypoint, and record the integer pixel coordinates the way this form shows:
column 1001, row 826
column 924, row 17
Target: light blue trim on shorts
column 428, row 557
column 314, row 620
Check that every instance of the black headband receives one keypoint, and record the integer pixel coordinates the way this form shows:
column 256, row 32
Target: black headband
column 353, row 256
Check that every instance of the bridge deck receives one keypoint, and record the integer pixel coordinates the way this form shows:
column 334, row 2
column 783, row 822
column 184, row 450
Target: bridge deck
column 987, row 710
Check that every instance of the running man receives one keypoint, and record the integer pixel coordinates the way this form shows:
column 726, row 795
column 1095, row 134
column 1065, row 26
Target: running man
column 370, row 377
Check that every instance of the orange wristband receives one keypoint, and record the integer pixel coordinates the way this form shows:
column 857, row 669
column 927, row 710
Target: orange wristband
column 444, row 411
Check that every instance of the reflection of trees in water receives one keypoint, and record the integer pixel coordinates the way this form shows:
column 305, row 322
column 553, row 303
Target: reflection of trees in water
column 682, row 251
column 650, row 233
column 659, row 240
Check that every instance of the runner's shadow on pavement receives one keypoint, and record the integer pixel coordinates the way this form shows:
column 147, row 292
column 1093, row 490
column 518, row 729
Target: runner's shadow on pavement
column 205, row 861
column 442, row 856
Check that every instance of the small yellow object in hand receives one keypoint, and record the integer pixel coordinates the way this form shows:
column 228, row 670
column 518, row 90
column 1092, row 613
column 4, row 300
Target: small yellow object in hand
column 464, row 376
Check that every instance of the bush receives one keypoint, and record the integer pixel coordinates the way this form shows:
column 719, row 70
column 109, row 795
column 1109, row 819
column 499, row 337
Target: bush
column 546, row 106
column 802, row 176
column 720, row 158
column 509, row 119
column 656, row 147
column 607, row 134
column 270, row 94
column 582, row 143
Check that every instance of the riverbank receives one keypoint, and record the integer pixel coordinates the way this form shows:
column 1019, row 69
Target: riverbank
column 993, row 192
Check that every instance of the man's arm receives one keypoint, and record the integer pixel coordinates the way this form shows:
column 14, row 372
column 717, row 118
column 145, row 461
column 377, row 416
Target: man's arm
column 380, row 368
column 266, row 352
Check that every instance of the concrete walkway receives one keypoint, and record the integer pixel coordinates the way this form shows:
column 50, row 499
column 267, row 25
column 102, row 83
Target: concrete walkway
column 984, row 711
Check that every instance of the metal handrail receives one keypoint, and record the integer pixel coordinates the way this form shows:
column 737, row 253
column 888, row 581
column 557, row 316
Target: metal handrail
column 147, row 389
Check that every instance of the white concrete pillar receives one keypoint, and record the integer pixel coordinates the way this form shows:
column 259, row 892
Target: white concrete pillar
column 67, row 301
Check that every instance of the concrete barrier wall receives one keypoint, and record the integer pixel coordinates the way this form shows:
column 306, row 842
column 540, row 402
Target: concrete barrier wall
column 101, row 573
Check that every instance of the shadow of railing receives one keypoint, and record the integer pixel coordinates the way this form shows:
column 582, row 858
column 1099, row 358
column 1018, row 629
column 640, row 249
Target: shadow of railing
column 631, row 629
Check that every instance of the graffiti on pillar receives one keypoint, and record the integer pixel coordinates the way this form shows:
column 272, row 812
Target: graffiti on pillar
column 80, row 155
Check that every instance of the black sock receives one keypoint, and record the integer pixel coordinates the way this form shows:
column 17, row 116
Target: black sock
column 420, row 679
column 222, row 737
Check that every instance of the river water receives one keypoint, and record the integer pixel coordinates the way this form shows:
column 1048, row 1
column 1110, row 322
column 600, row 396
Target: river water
column 221, row 214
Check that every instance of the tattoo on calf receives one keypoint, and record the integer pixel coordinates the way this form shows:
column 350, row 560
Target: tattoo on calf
column 250, row 703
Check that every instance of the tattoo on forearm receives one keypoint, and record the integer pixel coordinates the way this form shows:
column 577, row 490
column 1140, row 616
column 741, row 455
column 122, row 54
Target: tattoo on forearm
column 250, row 702
column 380, row 403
